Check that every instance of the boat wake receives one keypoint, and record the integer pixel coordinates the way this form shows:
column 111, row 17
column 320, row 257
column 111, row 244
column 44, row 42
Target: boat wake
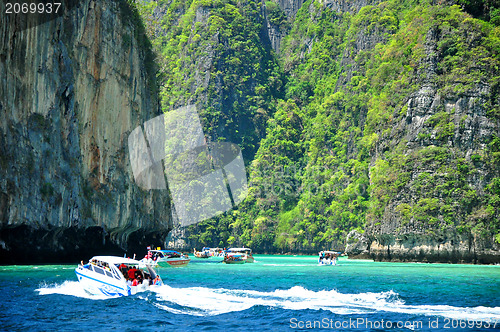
column 201, row 301
column 72, row 288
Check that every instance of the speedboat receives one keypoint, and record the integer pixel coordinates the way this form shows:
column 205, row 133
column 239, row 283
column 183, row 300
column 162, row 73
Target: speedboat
column 164, row 258
column 328, row 257
column 116, row 276
column 238, row 256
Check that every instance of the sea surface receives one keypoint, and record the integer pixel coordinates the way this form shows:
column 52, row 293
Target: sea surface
column 276, row 293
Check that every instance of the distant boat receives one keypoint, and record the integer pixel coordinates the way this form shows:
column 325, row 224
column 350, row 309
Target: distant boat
column 328, row 257
column 217, row 253
column 165, row 258
column 116, row 276
column 238, row 256
column 201, row 254
column 213, row 253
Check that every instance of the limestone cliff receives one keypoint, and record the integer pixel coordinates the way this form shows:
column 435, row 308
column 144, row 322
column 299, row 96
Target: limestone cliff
column 277, row 16
column 442, row 206
column 71, row 91
column 431, row 163
column 379, row 116
column 404, row 105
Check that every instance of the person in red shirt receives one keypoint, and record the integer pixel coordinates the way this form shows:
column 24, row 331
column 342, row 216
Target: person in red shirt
column 131, row 273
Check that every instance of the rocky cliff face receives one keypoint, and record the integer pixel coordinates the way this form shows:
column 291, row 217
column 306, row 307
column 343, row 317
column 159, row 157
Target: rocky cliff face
column 290, row 7
column 441, row 210
column 346, row 6
column 277, row 20
column 387, row 110
column 415, row 145
column 71, row 91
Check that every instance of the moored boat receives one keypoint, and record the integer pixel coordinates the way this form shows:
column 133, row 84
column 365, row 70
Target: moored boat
column 238, row 256
column 164, row 258
column 204, row 253
column 216, row 253
column 212, row 253
column 234, row 259
column 116, row 276
column 328, row 257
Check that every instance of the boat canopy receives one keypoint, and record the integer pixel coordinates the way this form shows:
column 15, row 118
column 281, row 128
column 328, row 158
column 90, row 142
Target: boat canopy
column 166, row 251
column 330, row 252
column 115, row 260
column 239, row 250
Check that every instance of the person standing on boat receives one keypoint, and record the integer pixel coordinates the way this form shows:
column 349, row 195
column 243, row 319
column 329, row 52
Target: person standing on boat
column 132, row 273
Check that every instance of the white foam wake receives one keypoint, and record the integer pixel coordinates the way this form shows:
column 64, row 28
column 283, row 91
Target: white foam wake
column 72, row 288
column 203, row 301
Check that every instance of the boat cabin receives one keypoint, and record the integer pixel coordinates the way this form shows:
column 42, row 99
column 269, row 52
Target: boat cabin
column 115, row 267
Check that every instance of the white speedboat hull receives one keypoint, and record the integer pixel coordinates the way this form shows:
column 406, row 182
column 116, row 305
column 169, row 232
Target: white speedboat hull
column 96, row 284
column 327, row 262
column 115, row 276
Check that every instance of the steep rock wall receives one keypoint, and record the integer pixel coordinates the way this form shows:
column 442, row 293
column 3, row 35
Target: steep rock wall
column 439, row 213
column 72, row 89
column 425, row 139
column 278, row 19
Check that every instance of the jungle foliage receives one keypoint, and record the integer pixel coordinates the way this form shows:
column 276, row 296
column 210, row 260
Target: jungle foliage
column 322, row 123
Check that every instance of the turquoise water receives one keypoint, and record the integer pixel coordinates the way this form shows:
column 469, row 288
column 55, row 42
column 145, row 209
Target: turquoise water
column 275, row 293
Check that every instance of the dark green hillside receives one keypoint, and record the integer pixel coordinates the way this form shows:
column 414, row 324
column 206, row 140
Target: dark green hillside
column 212, row 53
column 382, row 119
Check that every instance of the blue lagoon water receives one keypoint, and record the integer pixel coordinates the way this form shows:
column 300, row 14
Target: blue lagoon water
column 276, row 293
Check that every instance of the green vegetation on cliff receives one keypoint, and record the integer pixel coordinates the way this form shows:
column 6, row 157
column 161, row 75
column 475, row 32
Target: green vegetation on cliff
column 384, row 118
column 211, row 53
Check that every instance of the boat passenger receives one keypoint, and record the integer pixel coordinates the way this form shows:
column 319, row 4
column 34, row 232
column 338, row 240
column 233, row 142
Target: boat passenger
column 147, row 276
column 157, row 280
column 131, row 273
column 138, row 278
